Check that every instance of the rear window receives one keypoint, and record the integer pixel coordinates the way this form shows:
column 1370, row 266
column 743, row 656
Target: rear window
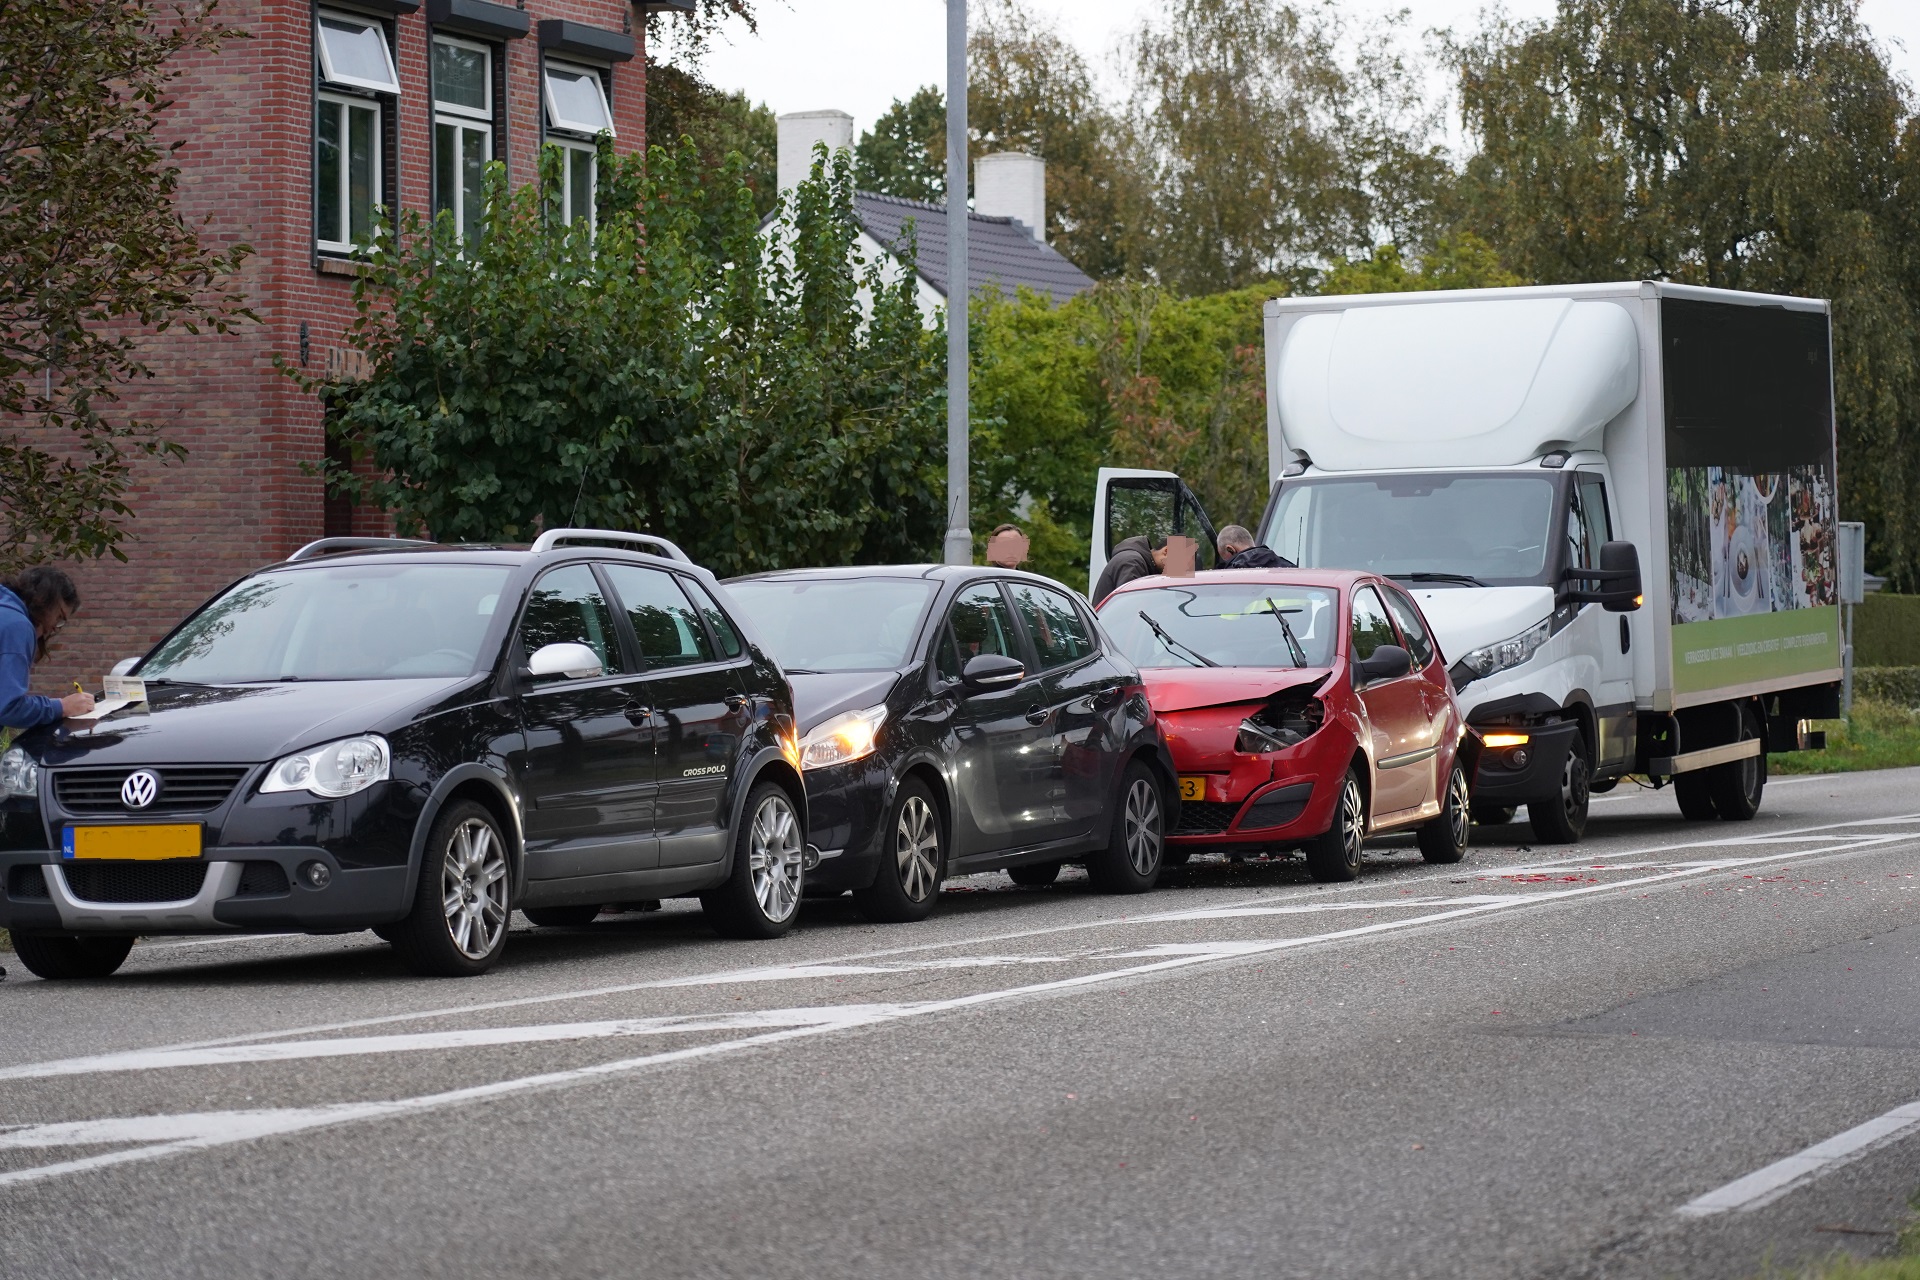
column 835, row 624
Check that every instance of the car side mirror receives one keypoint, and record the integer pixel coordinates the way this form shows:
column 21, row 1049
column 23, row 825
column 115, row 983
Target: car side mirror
column 991, row 671
column 574, row 661
column 1616, row 583
column 123, row 666
column 1388, row 662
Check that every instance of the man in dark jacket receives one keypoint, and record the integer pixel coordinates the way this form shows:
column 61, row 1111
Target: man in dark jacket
column 1132, row 558
column 1238, row 550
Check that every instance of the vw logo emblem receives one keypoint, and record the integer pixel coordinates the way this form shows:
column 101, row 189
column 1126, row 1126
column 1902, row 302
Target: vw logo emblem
column 140, row 789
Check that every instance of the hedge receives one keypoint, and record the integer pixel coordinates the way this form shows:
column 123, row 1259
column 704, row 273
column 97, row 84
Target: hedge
column 1886, row 631
column 1899, row 686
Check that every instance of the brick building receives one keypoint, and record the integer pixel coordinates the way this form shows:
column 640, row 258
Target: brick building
column 293, row 136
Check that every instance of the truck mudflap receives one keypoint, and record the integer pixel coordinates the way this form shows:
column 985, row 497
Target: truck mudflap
column 1519, row 764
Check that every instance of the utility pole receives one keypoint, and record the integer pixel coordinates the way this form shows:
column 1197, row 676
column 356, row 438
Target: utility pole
column 959, row 546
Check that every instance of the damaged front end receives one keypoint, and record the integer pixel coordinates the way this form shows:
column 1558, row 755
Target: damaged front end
column 1288, row 719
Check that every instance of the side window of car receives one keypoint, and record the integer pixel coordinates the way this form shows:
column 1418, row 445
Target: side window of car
column 1371, row 629
column 716, row 617
column 1419, row 644
column 946, row 658
column 566, row 607
column 1058, row 633
column 983, row 624
column 662, row 617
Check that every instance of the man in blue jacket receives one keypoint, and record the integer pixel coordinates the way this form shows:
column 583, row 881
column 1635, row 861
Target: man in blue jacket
column 34, row 605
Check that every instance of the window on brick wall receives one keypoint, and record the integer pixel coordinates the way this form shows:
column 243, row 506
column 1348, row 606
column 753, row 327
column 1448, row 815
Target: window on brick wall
column 577, row 114
column 462, row 128
column 357, row 89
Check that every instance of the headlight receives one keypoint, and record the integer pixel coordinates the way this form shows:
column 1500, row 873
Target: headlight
column 848, row 736
column 1510, row 652
column 19, row 775
column 337, row 769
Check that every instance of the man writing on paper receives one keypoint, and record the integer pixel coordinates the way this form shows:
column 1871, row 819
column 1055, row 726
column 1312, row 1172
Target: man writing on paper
column 34, row 605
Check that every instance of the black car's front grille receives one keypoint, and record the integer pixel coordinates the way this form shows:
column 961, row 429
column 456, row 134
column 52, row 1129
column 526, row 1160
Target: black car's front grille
column 134, row 881
column 262, row 880
column 27, row 884
column 183, row 788
column 1205, row 817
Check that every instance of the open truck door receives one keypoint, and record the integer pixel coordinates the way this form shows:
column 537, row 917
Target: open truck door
column 1128, row 503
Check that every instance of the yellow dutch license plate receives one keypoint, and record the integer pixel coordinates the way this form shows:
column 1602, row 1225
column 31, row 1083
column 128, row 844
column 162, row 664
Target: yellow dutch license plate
column 1192, row 788
column 160, row 842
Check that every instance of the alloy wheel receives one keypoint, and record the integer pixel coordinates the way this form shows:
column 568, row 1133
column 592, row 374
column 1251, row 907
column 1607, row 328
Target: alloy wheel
column 1458, row 802
column 473, row 882
column 774, row 859
column 1353, row 821
column 916, row 844
column 1143, row 826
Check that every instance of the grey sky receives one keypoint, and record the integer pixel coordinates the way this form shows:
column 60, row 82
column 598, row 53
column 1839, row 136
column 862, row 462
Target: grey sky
column 859, row 55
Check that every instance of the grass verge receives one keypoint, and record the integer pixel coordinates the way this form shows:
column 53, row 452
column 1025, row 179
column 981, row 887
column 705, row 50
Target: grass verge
column 1878, row 735
column 1903, row 1265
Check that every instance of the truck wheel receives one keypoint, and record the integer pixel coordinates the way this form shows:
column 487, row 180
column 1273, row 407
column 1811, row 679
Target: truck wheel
column 1334, row 855
column 1736, row 787
column 1561, row 819
column 1444, row 837
column 1492, row 815
column 87, row 956
column 1694, row 795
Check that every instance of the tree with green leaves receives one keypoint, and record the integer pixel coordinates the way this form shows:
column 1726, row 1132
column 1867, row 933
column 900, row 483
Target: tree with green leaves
column 1743, row 144
column 95, row 258
column 765, row 400
column 905, row 153
column 682, row 104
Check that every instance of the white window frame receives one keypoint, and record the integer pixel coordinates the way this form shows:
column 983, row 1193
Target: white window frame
column 351, row 101
column 577, row 147
column 461, row 119
column 327, row 71
column 555, row 123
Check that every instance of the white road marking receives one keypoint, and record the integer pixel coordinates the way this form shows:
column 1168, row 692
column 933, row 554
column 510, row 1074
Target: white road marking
column 1764, row 1186
column 199, row 1131
column 1450, row 874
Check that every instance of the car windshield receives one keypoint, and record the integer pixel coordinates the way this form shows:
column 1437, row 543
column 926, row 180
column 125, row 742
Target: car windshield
column 835, row 624
column 353, row 622
column 1479, row 529
column 1223, row 626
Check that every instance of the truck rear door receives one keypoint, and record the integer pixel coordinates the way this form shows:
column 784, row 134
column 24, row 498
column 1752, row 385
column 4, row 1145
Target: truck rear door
column 1128, row 503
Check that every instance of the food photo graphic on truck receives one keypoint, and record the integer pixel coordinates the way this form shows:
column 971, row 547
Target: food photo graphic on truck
column 1615, row 504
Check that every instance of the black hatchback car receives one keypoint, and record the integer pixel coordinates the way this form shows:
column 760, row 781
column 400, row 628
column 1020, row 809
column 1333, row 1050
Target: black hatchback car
column 955, row 720
column 418, row 740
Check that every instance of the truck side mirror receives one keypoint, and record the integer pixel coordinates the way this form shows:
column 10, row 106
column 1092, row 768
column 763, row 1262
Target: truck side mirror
column 1616, row 583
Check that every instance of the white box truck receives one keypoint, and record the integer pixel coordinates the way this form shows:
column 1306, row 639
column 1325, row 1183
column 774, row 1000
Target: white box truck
column 1615, row 504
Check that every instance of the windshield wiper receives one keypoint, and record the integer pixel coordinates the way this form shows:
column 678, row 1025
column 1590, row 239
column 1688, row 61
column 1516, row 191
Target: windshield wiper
column 802, row 671
column 1173, row 644
column 1293, row 641
column 185, row 684
column 1466, row 579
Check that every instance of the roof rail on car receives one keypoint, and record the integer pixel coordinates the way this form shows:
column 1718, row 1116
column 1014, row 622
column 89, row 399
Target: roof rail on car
column 650, row 543
column 333, row 546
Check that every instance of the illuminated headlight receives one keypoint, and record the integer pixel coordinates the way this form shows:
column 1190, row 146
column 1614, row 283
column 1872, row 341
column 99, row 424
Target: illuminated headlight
column 19, row 775
column 337, row 769
column 849, row 736
column 1510, row 652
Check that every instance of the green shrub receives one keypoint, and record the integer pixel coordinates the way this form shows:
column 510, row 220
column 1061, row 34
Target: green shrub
column 1886, row 631
column 1898, row 686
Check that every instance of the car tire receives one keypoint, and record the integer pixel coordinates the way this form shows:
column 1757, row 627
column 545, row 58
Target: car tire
column 1695, row 796
column 463, row 901
column 1131, row 861
column 1492, row 815
column 1034, row 875
column 1443, row 838
column 1737, row 788
column 576, row 917
column 1334, row 854
column 1562, row 818
column 60, row 958
column 760, row 897
column 913, row 860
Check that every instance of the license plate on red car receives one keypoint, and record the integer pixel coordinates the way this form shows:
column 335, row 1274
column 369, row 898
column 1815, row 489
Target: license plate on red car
column 1193, row 787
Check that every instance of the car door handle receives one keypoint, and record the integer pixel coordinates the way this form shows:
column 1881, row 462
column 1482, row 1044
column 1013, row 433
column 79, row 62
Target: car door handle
column 638, row 715
column 1037, row 715
column 1106, row 699
column 737, row 702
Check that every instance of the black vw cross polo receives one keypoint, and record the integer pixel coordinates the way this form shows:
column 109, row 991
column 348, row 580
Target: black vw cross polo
column 418, row 740
column 955, row 720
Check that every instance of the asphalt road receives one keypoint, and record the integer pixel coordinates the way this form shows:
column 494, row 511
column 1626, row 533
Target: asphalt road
column 1620, row 1059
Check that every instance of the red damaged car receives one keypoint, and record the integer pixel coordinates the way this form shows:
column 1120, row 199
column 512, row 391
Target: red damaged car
column 1304, row 709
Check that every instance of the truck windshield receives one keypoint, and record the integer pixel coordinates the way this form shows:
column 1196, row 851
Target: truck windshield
column 1475, row 529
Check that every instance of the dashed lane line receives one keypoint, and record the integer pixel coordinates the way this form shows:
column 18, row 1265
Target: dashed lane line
column 1764, row 1186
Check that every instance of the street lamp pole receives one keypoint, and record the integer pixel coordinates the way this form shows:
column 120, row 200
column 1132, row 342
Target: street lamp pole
column 959, row 545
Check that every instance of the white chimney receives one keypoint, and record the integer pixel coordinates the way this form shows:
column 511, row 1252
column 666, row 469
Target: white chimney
column 1013, row 184
column 799, row 130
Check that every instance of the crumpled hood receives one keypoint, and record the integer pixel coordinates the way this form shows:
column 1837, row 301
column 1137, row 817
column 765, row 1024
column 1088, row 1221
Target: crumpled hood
column 1184, row 688
column 242, row 724
column 1469, row 618
column 818, row 697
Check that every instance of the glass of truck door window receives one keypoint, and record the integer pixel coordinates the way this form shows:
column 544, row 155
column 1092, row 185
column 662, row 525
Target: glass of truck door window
column 1494, row 528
